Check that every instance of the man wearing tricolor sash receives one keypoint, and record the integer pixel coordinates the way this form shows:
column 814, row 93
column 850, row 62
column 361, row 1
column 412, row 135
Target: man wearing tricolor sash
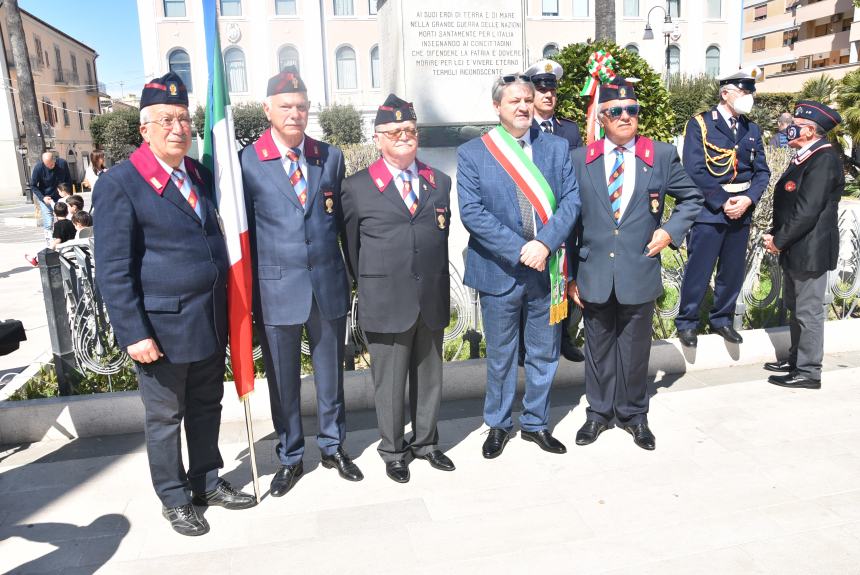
column 519, row 201
column 615, row 272
column 292, row 196
column 162, row 270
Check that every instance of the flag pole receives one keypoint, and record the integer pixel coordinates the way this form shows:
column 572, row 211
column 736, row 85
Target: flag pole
column 249, row 427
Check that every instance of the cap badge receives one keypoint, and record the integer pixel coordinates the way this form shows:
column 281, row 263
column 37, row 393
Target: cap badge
column 548, row 67
column 398, row 115
column 172, row 88
column 622, row 93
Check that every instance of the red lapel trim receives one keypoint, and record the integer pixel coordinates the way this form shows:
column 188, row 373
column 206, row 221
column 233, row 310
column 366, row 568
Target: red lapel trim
column 594, row 151
column 808, row 154
column 266, row 148
column 191, row 170
column 380, row 174
column 148, row 167
column 312, row 149
column 427, row 172
column 645, row 150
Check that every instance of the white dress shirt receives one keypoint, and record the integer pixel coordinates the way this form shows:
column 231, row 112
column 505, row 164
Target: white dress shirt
column 627, row 185
column 186, row 182
column 395, row 173
column 285, row 161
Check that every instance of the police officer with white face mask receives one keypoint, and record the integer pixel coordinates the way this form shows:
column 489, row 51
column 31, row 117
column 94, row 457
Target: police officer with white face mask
column 724, row 156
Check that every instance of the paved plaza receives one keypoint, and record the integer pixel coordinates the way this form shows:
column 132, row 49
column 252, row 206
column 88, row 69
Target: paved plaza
column 747, row 478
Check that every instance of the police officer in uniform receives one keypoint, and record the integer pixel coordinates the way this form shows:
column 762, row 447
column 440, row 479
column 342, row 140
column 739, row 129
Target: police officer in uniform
column 162, row 270
column 805, row 234
column 398, row 216
column 724, row 156
column 545, row 75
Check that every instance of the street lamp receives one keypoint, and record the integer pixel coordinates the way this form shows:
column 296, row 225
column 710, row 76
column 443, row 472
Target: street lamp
column 667, row 30
column 25, row 188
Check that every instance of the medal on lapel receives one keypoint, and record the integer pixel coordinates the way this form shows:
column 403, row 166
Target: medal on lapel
column 329, row 201
column 441, row 220
column 655, row 202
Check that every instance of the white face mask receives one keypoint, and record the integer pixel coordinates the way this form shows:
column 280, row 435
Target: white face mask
column 743, row 104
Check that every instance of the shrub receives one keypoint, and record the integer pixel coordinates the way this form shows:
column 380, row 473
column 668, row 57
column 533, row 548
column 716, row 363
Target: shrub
column 117, row 133
column 341, row 125
column 688, row 96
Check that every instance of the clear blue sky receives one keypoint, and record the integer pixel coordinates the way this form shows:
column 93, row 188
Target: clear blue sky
column 108, row 27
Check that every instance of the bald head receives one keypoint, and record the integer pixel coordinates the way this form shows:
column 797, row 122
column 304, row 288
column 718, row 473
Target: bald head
column 48, row 160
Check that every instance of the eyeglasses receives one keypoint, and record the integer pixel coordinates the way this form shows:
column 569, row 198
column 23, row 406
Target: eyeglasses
column 615, row 111
column 396, row 133
column 513, row 78
column 167, row 122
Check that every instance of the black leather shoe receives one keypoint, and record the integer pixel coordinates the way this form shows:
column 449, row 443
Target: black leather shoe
column 495, row 443
column 642, row 436
column 729, row 334
column 185, row 520
column 398, row 471
column 793, row 379
column 783, row 366
column 688, row 337
column 570, row 352
column 226, row 496
column 589, row 431
column 285, row 478
column 545, row 440
column 439, row 460
column 345, row 467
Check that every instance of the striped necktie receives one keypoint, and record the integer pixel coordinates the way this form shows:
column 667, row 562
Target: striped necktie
column 616, row 183
column 733, row 124
column 410, row 198
column 297, row 179
column 187, row 191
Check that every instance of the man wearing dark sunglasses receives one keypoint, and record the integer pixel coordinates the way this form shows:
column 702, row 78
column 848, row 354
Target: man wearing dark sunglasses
column 545, row 75
column 615, row 264
column 724, row 155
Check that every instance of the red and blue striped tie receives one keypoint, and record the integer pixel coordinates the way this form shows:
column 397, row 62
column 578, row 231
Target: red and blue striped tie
column 297, row 179
column 616, row 183
column 409, row 196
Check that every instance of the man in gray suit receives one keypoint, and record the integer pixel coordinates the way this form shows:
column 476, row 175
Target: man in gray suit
column 397, row 215
column 623, row 180
column 292, row 194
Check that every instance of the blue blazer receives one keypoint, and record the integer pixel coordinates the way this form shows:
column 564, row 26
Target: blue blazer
column 490, row 211
column 161, row 270
column 752, row 164
column 610, row 255
column 295, row 252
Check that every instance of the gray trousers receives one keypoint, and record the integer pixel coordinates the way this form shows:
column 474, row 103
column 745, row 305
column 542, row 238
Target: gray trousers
column 415, row 354
column 804, row 298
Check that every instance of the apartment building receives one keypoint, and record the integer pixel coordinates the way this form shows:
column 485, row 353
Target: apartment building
column 335, row 43
column 67, row 91
column 795, row 40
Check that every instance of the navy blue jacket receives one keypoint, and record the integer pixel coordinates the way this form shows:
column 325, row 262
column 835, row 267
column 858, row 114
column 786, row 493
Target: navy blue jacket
column 610, row 255
column 161, row 270
column 44, row 182
column 294, row 250
column 751, row 164
column 567, row 129
column 490, row 211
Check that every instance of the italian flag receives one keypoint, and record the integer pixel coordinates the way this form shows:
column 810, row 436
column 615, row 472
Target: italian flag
column 220, row 154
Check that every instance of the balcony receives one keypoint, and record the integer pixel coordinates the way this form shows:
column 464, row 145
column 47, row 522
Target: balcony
column 826, row 43
column 824, row 9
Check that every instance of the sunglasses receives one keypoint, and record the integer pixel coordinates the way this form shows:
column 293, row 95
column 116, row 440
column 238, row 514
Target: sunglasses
column 396, row 133
column 616, row 111
column 513, row 78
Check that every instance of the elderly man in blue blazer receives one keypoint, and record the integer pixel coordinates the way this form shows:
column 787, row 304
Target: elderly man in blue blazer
column 292, row 194
column 162, row 270
column 624, row 179
column 518, row 200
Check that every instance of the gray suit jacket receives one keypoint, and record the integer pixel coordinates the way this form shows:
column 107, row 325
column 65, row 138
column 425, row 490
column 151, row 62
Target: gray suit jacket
column 607, row 255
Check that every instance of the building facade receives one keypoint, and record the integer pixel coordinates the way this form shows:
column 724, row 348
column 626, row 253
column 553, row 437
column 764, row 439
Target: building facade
column 795, row 40
column 335, row 43
column 67, row 92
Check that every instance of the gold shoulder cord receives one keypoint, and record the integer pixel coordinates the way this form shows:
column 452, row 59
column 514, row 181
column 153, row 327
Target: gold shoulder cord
column 718, row 160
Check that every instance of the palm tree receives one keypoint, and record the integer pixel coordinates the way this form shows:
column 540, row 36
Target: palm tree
column 604, row 20
column 848, row 101
column 821, row 89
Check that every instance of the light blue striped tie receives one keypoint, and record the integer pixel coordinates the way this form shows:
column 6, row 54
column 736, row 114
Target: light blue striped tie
column 410, row 198
column 616, row 183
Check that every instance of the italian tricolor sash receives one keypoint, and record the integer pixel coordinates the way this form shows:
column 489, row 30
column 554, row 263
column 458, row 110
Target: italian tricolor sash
column 525, row 174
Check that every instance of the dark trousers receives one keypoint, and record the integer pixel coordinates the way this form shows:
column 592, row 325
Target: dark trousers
column 804, row 298
column 415, row 354
column 617, row 349
column 282, row 354
column 707, row 244
column 526, row 302
column 174, row 393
